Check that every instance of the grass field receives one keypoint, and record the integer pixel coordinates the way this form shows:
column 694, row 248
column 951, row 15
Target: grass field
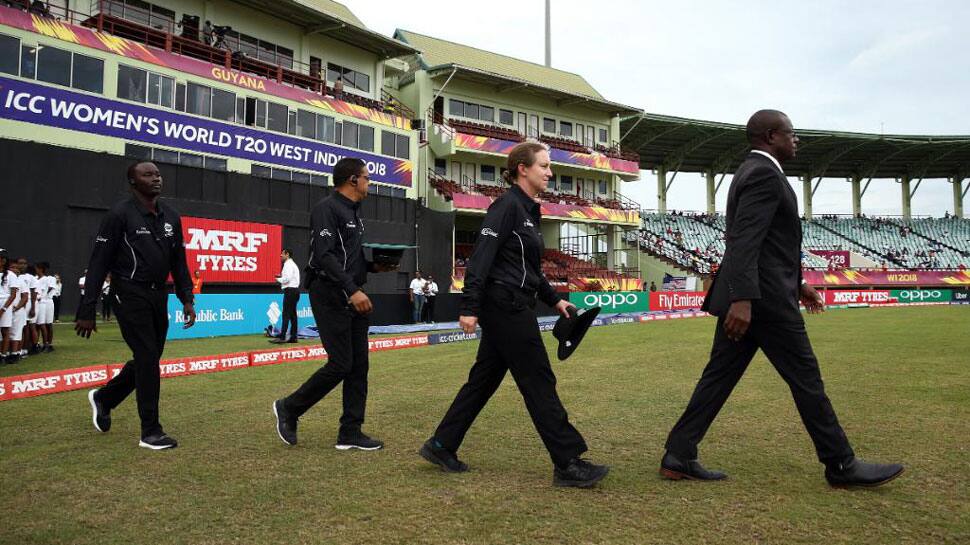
column 899, row 380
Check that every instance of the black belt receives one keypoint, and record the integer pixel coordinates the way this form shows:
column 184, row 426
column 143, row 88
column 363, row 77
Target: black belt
column 520, row 289
column 149, row 285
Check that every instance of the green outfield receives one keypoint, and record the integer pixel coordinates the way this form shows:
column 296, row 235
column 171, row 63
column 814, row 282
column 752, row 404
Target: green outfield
column 898, row 378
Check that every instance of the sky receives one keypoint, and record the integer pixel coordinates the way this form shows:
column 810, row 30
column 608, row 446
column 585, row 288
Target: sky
column 889, row 66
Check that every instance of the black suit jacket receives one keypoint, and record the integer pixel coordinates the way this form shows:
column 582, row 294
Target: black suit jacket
column 762, row 257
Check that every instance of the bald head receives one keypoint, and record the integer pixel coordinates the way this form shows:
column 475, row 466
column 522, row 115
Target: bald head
column 762, row 121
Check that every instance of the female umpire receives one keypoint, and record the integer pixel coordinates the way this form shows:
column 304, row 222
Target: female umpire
column 502, row 283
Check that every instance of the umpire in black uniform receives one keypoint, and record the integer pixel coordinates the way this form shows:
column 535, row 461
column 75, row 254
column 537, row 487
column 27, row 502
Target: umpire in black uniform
column 337, row 272
column 502, row 283
column 140, row 244
column 755, row 295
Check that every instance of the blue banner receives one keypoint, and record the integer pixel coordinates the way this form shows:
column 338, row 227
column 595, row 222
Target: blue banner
column 220, row 314
column 54, row 107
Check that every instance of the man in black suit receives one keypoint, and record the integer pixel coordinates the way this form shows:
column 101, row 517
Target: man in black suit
column 755, row 296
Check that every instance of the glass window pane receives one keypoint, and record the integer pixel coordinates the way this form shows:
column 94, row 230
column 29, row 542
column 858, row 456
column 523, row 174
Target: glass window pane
column 166, row 92
column 282, row 174
column 180, row 97
column 138, row 152
column 388, row 143
column 291, row 122
column 166, row 156
column 548, row 125
column 301, row 177
column 333, row 72
column 306, row 124
column 348, row 76
column 284, row 57
column 277, row 117
column 325, row 128
column 54, row 65
column 261, row 171
column 602, row 185
column 471, row 110
column 566, row 129
column 9, row 55
column 456, row 107
column 260, row 112
column 88, row 74
column 131, row 83
column 505, row 117
column 440, row 167
column 403, row 147
column 198, row 99
column 154, row 88
column 487, row 113
column 366, row 138
column 223, row 105
column 190, row 160
column 28, row 61
column 566, row 183
column 216, row 163
column 319, row 179
column 602, row 135
column 266, row 52
column 488, row 173
column 362, row 81
column 241, row 110
column 349, row 138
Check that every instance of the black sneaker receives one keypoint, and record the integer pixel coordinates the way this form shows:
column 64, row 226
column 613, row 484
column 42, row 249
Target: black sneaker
column 579, row 473
column 99, row 414
column 159, row 441
column 442, row 457
column 358, row 440
column 49, row 348
column 285, row 423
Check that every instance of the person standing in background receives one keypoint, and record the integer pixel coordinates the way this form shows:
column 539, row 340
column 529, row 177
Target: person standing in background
column 197, row 282
column 106, row 300
column 56, row 296
column 430, row 294
column 45, row 307
column 289, row 280
column 416, row 296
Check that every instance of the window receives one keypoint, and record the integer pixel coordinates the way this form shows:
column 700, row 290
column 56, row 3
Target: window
column 326, row 128
column 216, row 163
column 301, row 177
column 349, row 134
column 198, row 99
column 456, row 107
column 548, row 125
column 161, row 90
column 533, row 126
column 603, row 135
column 566, row 129
column 287, row 175
column 440, row 167
column 141, row 12
column 88, row 74
column 132, row 83
column 488, row 173
column 565, row 183
column 352, row 78
column 471, row 110
column 505, row 117
column 190, row 159
column 54, row 65
column 175, row 157
column 487, row 113
column 552, row 183
column 602, row 187
column 28, row 61
column 223, row 105
column 180, row 97
column 9, row 55
column 366, row 138
column 255, row 48
column 261, row 171
column 277, row 115
column 589, row 135
column 138, row 152
column 165, row 156
column 306, row 124
column 291, row 122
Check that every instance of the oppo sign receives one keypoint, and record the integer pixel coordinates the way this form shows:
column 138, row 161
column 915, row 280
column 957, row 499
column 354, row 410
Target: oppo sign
column 922, row 296
column 612, row 301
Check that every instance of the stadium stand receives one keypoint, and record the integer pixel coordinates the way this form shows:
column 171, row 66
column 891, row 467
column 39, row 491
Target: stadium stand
column 448, row 188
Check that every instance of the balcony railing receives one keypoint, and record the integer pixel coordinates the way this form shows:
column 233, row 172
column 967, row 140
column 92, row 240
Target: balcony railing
column 185, row 38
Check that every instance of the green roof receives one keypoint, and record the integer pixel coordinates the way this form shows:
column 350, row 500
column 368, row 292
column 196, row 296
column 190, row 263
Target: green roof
column 436, row 52
column 334, row 9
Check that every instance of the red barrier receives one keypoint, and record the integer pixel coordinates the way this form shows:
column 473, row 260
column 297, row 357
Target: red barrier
column 52, row 382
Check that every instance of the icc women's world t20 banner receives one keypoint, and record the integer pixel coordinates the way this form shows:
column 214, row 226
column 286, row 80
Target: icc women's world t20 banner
column 232, row 251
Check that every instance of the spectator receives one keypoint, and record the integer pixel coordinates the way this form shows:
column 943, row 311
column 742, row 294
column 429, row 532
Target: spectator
column 416, row 296
column 207, row 33
column 56, row 296
column 197, row 282
column 219, row 32
column 430, row 294
column 39, row 8
column 105, row 299
column 653, row 286
column 338, row 88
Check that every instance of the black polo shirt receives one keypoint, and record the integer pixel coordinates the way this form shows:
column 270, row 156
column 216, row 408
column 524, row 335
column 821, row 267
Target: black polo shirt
column 508, row 250
column 137, row 246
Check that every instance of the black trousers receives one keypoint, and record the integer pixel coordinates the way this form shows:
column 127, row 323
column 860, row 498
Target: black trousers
column 787, row 347
column 57, row 307
column 106, row 307
column 343, row 333
column 143, row 318
column 291, row 296
column 428, row 309
column 511, row 342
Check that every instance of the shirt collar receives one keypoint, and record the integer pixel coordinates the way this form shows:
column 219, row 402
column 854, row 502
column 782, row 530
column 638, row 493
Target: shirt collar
column 769, row 156
column 528, row 201
column 339, row 197
column 144, row 211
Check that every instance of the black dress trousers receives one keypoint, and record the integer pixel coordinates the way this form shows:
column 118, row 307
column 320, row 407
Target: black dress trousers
column 291, row 296
column 511, row 342
column 343, row 333
column 786, row 345
column 143, row 318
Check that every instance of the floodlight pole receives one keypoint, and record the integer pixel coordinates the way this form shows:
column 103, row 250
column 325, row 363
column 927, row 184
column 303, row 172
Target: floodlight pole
column 548, row 34
column 958, row 194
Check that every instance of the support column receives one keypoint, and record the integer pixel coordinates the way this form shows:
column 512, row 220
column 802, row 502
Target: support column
column 711, row 192
column 807, row 196
column 904, row 188
column 957, row 197
column 662, row 189
column 611, row 247
column 856, row 195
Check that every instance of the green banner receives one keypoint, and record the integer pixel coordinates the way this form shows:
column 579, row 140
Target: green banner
column 922, row 296
column 612, row 301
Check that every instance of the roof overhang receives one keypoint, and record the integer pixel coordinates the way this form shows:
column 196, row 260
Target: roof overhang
column 316, row 22
column 503, row 84
column 693, row 145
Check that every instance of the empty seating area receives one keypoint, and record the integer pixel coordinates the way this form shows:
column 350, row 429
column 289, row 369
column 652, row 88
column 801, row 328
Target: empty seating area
column 505, row 133
column 448, row 188
column 564, row 144
column 910, row 245
column 489, row 131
